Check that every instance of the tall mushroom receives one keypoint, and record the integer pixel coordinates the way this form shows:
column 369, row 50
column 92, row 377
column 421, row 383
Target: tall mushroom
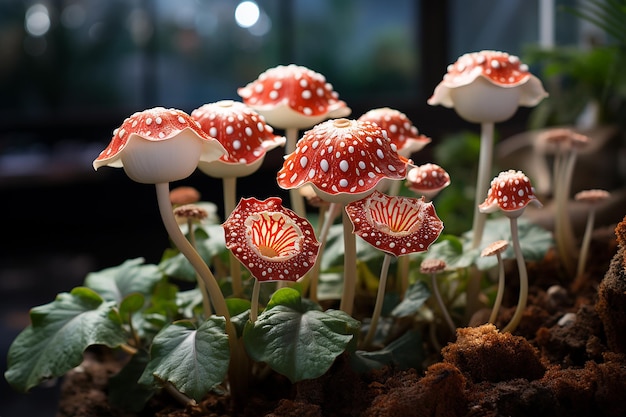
column 592, row 198
column 510, row 192
column 496, row 248
column 247, row 138
column 487, row 87
column 159, row 146
column 272, row 242
column 397, row 226
column 343, row 160
column 293, row 97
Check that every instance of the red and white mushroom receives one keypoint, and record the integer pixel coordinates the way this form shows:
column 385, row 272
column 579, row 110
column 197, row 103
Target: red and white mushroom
column 427, row 180
column 244, row 134
column 397, row 226
column 343, row 160
column 159, row 145
column 293, row 96
column 272, row 242
column 399, row 128
column 511, row 191
column 488, row 86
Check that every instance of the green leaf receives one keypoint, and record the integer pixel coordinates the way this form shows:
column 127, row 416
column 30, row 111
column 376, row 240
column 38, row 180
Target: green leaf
column 296, row 339
column 133, row 276
column 405, row 352
column 124, row 391
column 193, row 360
column 415, row 297
column 60, row 332
column 451, row 250
column 131, row 304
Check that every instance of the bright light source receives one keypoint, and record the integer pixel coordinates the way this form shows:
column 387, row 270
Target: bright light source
column 247, row 14
column 37, row 22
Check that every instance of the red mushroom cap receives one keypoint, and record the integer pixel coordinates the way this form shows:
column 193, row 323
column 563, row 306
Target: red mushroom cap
column 500, row 68
column 343, row 159
column 152, row 163
column 242, row 131
column 293, row 96
column 395, row 225
column 399, row 128
column 272, row 242
column 511, row 191
column 427, row 179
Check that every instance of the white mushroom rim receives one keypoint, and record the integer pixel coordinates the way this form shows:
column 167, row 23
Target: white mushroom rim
column 273, row 236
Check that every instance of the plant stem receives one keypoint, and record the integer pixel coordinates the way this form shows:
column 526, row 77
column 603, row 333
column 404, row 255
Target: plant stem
column 254, row 304
column 442, row 305
column 297, row 201
column 500, row 293
column 327, row 221
column 564, row 235
column 523, row 279
column 482, row 181
column 584, row 249
column 206, row 304
column 349, row 265
column 230, row 192
column 380, row 297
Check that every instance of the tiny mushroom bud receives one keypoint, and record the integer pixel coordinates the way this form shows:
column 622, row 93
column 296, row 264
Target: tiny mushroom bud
column 293, row 96
column 592, row 198
column 432, row 267
column 145, row 147
column 184, row 195
column 488, row 86
column 427, row 180
column 496, row 248
column 399, row 128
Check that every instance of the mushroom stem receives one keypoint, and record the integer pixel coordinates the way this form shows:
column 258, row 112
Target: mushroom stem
column 206, row 303
column 562, row 226
column 584, row 249
column 500, row 293
column 181, row 242
column 230, row 191
column 254, row 304
column 380, row 297
column 523, row 279
column 482, row 182
column 327, row 221
column 349, row 265
column 297, row 201
column 442, row 305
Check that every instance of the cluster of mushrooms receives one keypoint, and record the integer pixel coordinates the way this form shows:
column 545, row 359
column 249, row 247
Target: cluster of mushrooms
column 348, row 167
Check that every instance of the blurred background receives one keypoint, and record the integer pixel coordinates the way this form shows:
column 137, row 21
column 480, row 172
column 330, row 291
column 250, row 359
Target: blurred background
column 72, row 70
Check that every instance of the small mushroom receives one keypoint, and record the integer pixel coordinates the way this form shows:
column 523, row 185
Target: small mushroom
column 432, row 267
column 592, row 198
column 399, row 128
column 496, row 248
column 247, row 138
column 487, row 87
column 510, row 192
column 427, row 180
column 344, row 160
column 272, row 242
column 397, row 226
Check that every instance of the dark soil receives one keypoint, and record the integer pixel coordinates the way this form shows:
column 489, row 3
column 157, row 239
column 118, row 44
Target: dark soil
column 565, row 359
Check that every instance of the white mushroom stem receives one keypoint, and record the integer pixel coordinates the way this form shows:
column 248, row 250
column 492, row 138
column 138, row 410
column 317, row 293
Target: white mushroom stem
column 482, row 183
column 206, row 303
column 349, row 265
column 442, row 305
column 327, row 221
column 523, row 278
column 183, row 245
column 297, row 201
column 564, row 235
column 254, row 302
column 380, row 297
column 500, row 292
column 584, row 249
column 230, row 192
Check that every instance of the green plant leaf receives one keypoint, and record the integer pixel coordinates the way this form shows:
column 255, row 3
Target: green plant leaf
column 451, row 250
column 131, row 304
column 132, row 276
column 193, row 360
column 124, row 391
column 405, row 352
column 415, row 297
column 296, row 339
column 60, row 332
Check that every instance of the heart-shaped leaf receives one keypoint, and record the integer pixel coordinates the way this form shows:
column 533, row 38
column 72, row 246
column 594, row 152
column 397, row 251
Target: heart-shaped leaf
column 193, row 360
column 60, row 332
column 133, row 276
column 416, row 295
column 295, row 338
